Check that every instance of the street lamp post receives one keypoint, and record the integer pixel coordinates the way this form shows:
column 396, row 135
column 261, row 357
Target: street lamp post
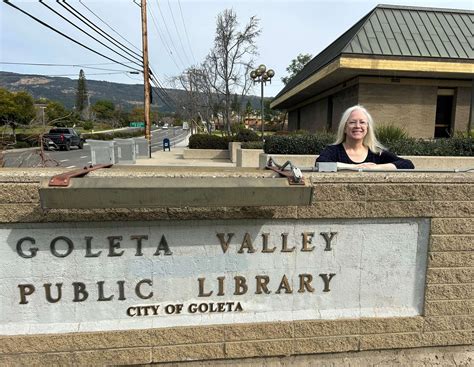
column 262, row 75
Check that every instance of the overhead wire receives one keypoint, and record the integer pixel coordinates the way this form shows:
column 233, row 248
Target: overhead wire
column 165, row 44
column 169, row 35
column 177, row 32
column 186, row 32
column 66, row 36
column 69, row 65
column 86, row 33
column 165, row 96
column 110, row 27
column 64, row 75
column 98, row 30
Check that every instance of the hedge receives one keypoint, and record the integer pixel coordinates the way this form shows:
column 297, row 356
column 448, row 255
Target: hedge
column 114, row 134
column 206, row 141
column 252, row 145
column 313, row 144
column 297, row 144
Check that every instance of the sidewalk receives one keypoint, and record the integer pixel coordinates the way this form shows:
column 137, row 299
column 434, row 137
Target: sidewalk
column 175, row 158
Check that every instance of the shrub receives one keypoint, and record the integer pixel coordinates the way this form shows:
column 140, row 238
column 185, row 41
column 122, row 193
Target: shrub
column 253, row 145
column 297, row 144
column 236, row 128
column 87, row 125
column 457, row 146
column 22, row 144
column 313, row 144
column 28, row 140
column 206, row 141
column 111, row 135
column 246, row 135
column 387, row 133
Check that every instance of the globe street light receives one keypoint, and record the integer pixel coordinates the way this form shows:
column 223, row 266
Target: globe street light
column 262, row 75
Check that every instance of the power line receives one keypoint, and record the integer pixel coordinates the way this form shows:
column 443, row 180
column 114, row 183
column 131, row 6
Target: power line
column 98, row 30
column 169, row 35
column 159, row 86
column 165, row 44
column 88, row 34
column 186, row 32
column 112, row 29
column 69, row 65
column 66, row 36
column 88, row 74
column 177, row 32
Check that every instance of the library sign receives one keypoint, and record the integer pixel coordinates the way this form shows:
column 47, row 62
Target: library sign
column 66, row 277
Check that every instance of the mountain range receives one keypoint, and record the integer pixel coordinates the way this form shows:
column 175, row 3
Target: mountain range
column 127, row 96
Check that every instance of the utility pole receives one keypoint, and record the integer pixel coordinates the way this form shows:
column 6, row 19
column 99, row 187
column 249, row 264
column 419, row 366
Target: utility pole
column 146, row 77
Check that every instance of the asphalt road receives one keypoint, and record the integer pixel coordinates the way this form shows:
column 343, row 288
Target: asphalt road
column 78, row 158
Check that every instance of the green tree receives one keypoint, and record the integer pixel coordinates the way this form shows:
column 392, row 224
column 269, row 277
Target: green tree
column 81, row 94
column 16, row 109
column 248, row 108
column 104, row 109
column 296, row 66
column 55, row 111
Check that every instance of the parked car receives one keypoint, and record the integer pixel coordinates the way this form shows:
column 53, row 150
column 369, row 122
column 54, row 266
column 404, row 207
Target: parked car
column 64, row 138
column 165, row 126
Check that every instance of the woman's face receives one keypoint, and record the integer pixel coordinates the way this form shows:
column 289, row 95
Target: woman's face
column 356, row 126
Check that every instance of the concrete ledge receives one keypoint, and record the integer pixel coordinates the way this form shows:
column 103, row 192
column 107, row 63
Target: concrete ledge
column 233, row 148
column 420, row 162
column 206, row 154
column 146, row 192
column 306, row 160
column 248, row 157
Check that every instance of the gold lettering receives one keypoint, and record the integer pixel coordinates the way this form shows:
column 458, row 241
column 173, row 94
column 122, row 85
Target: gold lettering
column 326, row 280
column 163, row 246
column 284, row 284
column 328, row 237
column 25, row 290
column 240, row 285
column 262, row 282
column 138, row 291
column 265, row 243
column 220, row 291
column 32, row 250
column 114, row 243
column 284, row 243
column 305, row 282
column 246, row 243
column 307, row 240
column 139, row 239
column 224, row 243
column 89, row 252
column 201, row 288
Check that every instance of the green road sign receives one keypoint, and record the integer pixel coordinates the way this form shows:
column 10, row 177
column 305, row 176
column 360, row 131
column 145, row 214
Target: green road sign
column 137, row 124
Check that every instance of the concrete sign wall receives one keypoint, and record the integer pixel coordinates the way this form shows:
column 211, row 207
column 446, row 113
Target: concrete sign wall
column 64, row 277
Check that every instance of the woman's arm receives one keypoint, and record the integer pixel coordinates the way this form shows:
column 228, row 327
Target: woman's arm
column 392, row 159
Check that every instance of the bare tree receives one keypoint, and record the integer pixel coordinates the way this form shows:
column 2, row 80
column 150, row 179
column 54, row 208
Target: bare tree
column 231, row 56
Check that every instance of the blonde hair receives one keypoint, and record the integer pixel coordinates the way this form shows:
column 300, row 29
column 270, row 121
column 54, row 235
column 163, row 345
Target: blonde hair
column 370, row 140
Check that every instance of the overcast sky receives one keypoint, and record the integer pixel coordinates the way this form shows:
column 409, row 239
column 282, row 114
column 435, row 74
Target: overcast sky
column 289, row 27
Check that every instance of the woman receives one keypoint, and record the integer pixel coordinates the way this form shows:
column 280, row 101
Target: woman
column 357, row 145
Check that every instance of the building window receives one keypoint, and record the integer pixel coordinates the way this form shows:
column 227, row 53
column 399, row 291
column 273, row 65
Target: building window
column 444, row 113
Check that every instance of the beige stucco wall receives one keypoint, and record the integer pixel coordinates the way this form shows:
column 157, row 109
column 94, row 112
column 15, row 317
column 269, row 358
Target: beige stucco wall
column 341, row 101
column 412, row 107
column 410, row 104
column 448, row 317
column 463, row 106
